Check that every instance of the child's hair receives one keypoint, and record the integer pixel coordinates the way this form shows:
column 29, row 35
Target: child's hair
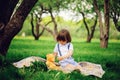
column 64, row 35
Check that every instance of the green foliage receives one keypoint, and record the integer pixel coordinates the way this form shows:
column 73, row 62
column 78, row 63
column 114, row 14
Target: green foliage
column 39, row 66
column 24, row 47
column 76, row 28
column 115, row 6
column 26, row 27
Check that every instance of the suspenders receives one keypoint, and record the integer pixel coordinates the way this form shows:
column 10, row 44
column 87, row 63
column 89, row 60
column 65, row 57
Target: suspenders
column 59, row 48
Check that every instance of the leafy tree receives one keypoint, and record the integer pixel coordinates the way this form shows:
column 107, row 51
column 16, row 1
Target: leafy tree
column 11, row 20
column 115, row 12
column 49, row 7
column 91, row 29
column 36, row 17
column 84, row 8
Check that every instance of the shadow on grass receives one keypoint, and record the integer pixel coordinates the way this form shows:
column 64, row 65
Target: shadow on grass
column 9, row 72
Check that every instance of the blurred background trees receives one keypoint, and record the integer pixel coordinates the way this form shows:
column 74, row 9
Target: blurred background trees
column 84, row 19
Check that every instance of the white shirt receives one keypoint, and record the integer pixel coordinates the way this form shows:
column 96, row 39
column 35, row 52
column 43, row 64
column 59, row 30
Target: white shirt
column 63, row 48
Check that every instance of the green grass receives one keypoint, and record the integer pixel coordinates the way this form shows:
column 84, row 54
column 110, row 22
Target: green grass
column 24, row 47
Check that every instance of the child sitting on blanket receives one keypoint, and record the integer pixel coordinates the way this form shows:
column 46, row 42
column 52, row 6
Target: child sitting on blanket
column 64, row 50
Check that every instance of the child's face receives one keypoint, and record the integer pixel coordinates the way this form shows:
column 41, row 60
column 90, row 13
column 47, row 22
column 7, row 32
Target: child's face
column 62, row 42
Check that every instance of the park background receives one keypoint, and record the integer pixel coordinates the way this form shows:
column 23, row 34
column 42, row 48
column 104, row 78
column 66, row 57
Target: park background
column 37, row 38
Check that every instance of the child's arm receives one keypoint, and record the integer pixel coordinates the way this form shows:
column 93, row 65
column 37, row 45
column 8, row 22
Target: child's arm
column 55, row 53
column 70, row 52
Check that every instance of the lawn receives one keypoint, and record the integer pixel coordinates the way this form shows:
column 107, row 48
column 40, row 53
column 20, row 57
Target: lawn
column 24, row 47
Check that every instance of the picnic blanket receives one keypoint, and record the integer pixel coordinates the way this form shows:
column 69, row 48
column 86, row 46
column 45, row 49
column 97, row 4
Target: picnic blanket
column 26, row 62
column 88, row 68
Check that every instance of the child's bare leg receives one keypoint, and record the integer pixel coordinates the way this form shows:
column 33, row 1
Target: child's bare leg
column 68, row 68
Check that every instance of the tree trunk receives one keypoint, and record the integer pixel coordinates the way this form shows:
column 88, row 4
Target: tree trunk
column 6, row 10
column 90, row 32
column 104, row 32
column 104, row 41
column 37, row 33
column 32, row 25
column 55, row 32
column 86, row 26
column 15, row 25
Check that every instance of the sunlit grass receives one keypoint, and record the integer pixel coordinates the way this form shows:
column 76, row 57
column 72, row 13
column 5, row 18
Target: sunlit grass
column 24, row 47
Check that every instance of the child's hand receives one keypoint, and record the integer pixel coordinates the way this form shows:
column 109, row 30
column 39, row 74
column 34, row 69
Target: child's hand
column 60, row 58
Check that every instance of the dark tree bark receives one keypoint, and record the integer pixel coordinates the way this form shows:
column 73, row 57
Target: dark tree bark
column 14, row 25
column 115, row 14
column 104, row 42
column 55, row 32
column 52, row 32
column 104, row 28
column 37, row 33
column 38, row 18
column 6, row 10
column 90, row 31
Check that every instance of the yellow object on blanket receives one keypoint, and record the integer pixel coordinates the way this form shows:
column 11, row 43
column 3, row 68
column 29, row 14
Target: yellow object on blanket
column 51, row 62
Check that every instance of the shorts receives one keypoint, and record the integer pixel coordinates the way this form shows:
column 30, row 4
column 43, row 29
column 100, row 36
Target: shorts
column 70, row 60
